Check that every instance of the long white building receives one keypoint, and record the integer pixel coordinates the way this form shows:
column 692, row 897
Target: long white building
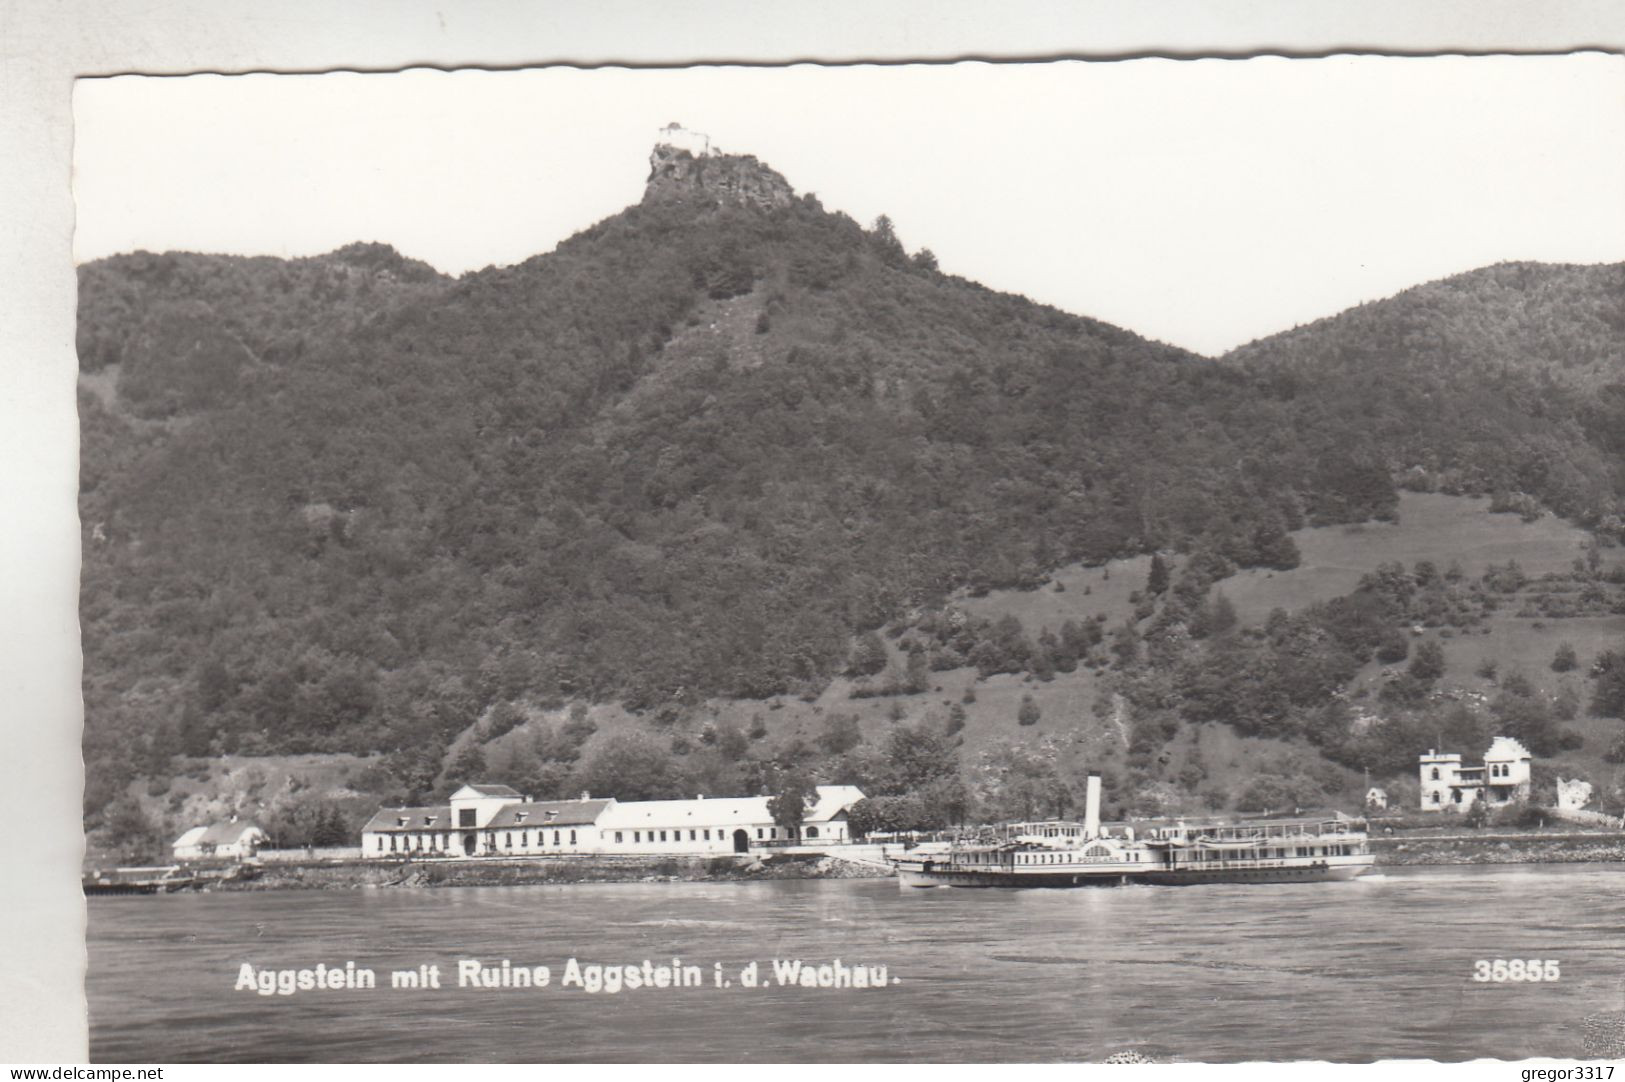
column 495, row 820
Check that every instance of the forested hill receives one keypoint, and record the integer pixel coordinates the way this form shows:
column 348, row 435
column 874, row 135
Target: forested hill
column 1507, row 379
column 348, row 504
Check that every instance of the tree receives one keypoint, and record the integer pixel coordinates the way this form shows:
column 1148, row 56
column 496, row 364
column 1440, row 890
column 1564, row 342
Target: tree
column 1565, row 659
column 1126, row 643
column 1157, row 581
column 841, row 734
column 129, row 829
column 1427, row 663
column 632, row 766
column 868, row 655
column 788, row 805
column 469, row 766
column 863, row 818
column 914, row 757
column 917, row 675
column 1393, row 646
column 732, row 744
column 1028, row 713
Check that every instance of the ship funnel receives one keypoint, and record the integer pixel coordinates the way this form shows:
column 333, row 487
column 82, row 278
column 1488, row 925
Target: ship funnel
column 1091, row 807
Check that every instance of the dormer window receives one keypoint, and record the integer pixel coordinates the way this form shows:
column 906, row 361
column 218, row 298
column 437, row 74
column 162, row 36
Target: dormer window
column 402, row 820
column 428, row 820
column 519, row 817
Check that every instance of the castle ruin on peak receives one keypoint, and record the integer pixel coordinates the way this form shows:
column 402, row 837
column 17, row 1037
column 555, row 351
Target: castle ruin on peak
column 686, row 167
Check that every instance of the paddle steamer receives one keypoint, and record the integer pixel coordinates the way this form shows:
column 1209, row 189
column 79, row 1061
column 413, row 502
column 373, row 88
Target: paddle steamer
column 1064, row 854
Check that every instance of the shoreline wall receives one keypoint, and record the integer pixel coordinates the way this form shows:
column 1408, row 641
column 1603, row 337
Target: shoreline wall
column 1499, row 849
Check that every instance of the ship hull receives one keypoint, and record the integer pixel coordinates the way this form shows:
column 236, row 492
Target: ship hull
column 1315, row 872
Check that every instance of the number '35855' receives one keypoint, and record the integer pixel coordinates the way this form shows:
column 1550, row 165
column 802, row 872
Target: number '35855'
column 1500, row 970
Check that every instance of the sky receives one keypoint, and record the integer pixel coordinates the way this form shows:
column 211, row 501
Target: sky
column 1203, row 203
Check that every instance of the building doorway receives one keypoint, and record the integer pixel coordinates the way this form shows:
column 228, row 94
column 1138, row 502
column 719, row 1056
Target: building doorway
column 468, row 844
column 741, row 842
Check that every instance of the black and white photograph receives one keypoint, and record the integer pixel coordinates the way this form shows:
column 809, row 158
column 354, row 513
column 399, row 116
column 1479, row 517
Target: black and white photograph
column 1063, row 561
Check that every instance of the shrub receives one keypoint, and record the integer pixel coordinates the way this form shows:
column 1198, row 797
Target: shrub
column 1427, row 663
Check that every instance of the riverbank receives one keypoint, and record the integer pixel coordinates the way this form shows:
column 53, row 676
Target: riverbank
column 1420, row 849
column 354, row 875
column 1488, row 847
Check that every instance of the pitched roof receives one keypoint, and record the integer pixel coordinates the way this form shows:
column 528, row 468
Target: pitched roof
column 722, row 811
column 226, row 833
column 566, row 813
column 416, row 819
column 491, row 790
column 832, row 800
column 716, row 812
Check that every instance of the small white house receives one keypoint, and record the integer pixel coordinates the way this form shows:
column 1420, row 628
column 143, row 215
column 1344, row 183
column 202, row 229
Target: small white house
column 1376, row 799
column 234, row 839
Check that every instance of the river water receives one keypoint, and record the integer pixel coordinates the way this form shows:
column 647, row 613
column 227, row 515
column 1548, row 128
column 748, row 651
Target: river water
column 1378, row 968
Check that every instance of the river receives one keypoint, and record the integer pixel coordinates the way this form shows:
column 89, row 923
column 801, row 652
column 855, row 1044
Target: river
column 1378, row 968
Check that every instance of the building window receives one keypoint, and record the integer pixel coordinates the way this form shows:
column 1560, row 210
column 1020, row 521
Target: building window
column 617, row 836
column 1457, row 796
column 693, row 835
column 572, row 837
column 812, row 832
column 1435, row 773
column 707, row 835
column 1435, row 798
column 392, row 843
column 637, row 835
column 445, row 841
column 662, row 835
column 465, row 817
column 380, row 843
column 758, row 832
column 507, row 840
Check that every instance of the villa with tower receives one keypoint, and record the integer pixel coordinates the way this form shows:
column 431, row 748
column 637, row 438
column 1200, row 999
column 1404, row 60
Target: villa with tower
column 1502, row 780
